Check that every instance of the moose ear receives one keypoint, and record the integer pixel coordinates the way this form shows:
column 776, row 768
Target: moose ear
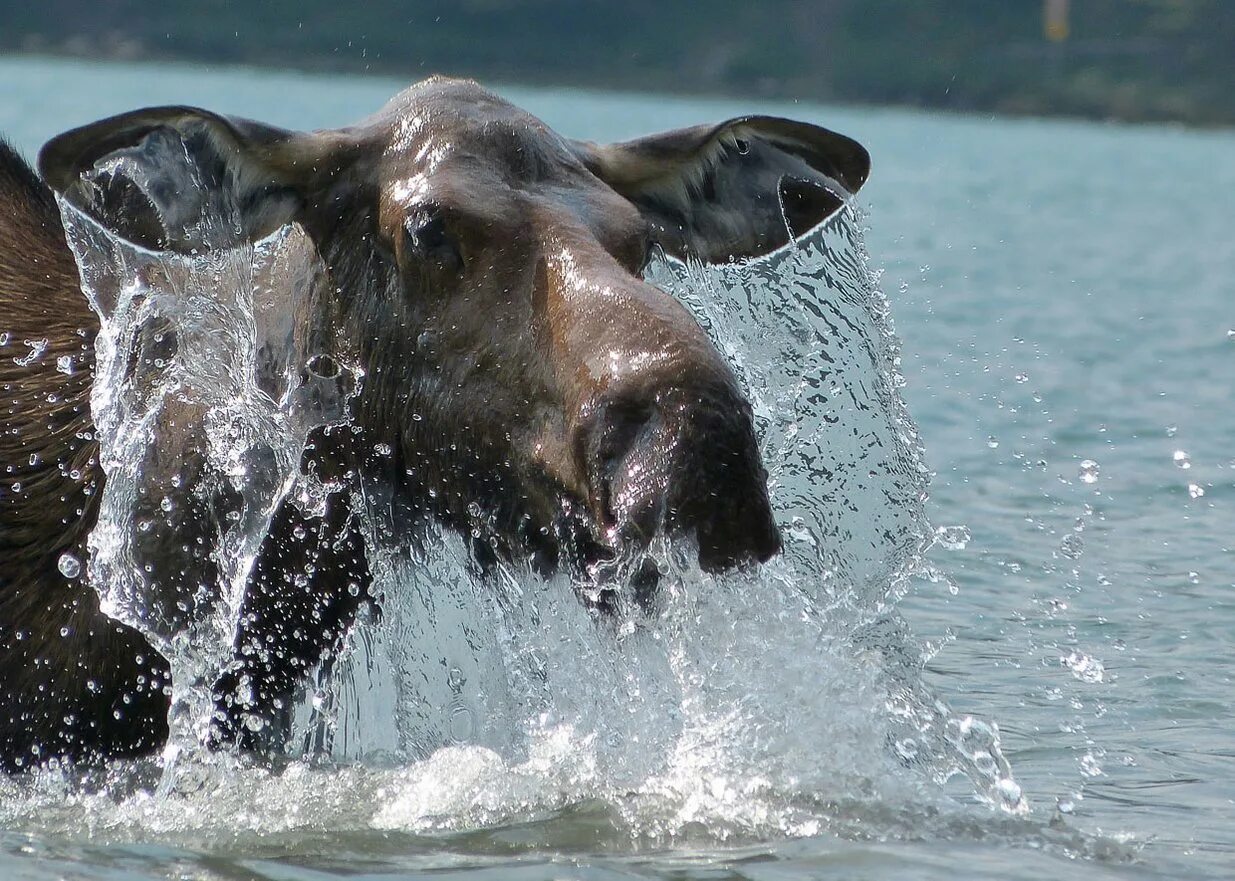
column 736, row 190
column 184, row 179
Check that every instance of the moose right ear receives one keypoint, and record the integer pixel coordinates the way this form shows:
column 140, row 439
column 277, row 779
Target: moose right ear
column 185, row 179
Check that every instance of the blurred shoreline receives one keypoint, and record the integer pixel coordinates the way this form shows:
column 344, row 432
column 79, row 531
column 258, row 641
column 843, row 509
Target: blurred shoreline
column 1140, row 61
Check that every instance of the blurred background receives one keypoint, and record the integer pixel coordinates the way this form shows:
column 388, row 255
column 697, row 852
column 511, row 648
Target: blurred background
column 1137, row 60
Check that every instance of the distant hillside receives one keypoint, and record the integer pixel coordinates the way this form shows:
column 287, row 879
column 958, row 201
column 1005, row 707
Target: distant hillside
column 1164, row 60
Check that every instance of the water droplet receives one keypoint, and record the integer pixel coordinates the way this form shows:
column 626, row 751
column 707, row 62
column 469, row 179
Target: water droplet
column 1194, row 578
column 461, row 724
column 37, row 348
column 323, row 366
column 1009, row 791
column 1065, row 805
column 1084, row 667
column 1195, row 490
column 1230, row 334
column 907, row 749
column 298, row 531
column 1089, row 471
column 1182, row 459
column 64, row 364
column 1171, row 430
column 992, row 442
column 1090, row 766
column 1072, row 546
column 167, row 504
column 69, row 566
column 383, row 449
column 1022, row 377
column 954, row 538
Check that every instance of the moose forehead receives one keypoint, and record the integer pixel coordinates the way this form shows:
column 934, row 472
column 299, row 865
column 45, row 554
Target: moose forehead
column 452, row 143
column 444, row 123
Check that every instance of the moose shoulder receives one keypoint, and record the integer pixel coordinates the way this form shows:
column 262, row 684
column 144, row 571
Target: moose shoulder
column 487, row 274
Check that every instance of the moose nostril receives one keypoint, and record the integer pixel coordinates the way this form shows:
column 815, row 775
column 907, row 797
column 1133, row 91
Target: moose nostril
column 615, row 432
column 681, row 461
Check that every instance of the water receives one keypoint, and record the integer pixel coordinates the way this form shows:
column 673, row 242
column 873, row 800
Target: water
column 1062, row 296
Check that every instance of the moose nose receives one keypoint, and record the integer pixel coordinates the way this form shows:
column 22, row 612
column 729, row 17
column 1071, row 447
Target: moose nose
column 683, row 460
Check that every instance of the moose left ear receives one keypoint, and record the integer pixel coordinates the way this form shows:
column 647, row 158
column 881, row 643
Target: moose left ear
column 185, row 179
column 736, row 190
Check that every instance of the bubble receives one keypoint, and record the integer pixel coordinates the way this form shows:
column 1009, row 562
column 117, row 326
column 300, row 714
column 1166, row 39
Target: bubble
column 1195, row 490
column 1022, row 377
column 1089, row 471
column 1182, row 459
column 69, row 565
column 992, row 442
column 64, row 364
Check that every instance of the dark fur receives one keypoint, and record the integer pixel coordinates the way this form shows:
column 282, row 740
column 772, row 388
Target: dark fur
column 75, row 682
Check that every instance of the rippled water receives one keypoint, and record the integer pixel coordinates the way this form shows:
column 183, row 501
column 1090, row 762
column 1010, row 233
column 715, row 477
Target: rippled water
column 1063, row 305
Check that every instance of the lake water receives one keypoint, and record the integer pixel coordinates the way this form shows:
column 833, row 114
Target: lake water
column 1064, row 296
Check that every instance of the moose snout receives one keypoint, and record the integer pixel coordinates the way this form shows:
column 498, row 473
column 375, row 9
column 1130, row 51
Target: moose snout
column 680, row 459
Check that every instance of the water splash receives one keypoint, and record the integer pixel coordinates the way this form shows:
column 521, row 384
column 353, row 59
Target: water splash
column 202, row 400
column 710, row 709
column 781, row 701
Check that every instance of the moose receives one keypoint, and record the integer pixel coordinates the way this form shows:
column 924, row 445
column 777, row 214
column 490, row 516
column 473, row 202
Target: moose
column 489, row 275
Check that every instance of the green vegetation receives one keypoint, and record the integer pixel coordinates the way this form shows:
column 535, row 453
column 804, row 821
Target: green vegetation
column 1165, row 60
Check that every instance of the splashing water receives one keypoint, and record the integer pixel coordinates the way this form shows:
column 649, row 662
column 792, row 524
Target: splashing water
column 735, row 698
column 780, row 701
column 202, row 400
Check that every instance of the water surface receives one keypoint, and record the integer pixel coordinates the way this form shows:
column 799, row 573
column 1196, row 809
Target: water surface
column 1063, row 297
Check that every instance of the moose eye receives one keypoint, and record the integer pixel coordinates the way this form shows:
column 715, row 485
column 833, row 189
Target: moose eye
column 429, row 240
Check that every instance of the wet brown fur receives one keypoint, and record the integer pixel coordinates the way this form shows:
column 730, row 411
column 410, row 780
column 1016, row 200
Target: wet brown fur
column 72, row 678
